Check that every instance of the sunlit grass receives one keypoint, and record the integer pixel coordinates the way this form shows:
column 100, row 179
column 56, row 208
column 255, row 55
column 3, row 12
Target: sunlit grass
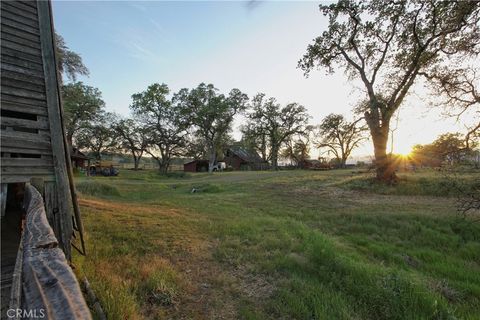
column 269, row 245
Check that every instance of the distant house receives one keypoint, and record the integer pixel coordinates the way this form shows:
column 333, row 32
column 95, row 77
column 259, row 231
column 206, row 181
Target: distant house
column 196, row 166
column 79, row 159
column 239, row 158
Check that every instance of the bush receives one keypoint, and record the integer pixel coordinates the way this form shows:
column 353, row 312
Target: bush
column 411, row 185
column 94, row 188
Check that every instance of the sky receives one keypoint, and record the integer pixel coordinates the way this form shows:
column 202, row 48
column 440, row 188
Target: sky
column 128, row 45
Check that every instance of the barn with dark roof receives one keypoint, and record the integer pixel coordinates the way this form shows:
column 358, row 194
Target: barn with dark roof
column 239, row 158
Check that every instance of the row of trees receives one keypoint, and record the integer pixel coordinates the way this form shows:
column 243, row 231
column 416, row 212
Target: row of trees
column 195, row 123
column 448, row 148
column 198, row 123
column 388, row 46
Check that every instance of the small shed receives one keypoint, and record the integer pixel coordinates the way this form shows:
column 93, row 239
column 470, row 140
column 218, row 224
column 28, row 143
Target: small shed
column 79, row 159
column 239, row 158
column 196, row 166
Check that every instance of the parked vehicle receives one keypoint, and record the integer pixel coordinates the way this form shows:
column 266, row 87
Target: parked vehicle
column 219, row 166
column 104, row 168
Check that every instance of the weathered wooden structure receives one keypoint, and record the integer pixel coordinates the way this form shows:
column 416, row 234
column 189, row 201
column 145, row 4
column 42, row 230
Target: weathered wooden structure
column 196, row 166
column 239, row 158
column 33, row 144
column 32, row 134
column 43, row 283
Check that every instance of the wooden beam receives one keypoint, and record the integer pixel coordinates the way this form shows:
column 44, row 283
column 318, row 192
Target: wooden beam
column 25, row 178
column 40, row 123
column 48, row 281
column 9, row 139
column 59, row 147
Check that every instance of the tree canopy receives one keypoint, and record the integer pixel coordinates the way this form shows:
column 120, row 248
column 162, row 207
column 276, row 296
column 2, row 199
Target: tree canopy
column 133, row 138
column 211, row 114
column 387, row 46
column 69, row 63
column 82, row 104
column 340, row 136
column 276, row 122
column 98, row 136
column 165, row 124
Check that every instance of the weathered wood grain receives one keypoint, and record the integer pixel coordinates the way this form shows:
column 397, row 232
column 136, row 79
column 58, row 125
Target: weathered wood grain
column 16, row 291
column 48, row 280
column 25, row 6
column 7, row 36
column 18, row 144
column 7, row 170
column 59, row 148
column 22, row 150
column 20, row 47
column 40, row 123
column 23, row 79
column 43, row 137
column 8, row 14
column 51, row 207
column 30, row 3
column 21, row 59
column 10, row 8
column 27, row 162
column 20, row 107
column 23, row 93
column 11, row 30
column 25, row 178
column 6, row 20
column 27, row 101
column 23, row 84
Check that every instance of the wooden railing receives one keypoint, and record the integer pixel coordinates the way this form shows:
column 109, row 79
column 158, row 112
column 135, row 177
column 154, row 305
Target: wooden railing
column 43, row 282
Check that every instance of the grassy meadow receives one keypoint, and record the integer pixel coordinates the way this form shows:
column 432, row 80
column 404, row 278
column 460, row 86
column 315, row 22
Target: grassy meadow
column 279, row 245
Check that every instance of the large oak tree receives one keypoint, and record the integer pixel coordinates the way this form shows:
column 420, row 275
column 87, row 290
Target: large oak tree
column 163, row 122
column 340, row 136
column 277, row 123
column 83, row 104
column 133, row 138
column 211, row 114
column 388, row 45
column 98, row 136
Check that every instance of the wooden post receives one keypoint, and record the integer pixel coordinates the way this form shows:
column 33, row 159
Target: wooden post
column 56, row 128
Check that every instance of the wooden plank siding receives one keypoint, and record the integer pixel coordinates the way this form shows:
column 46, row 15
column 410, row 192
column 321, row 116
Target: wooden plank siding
column 25, row 128
column 31, row 124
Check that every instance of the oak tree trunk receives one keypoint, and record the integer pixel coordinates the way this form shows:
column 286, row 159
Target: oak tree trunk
column 136, row 160
column 274, row 159
column 385, row 171
column 212, row 159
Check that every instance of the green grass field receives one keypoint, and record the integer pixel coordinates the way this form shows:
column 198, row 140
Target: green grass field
column 279, row 245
